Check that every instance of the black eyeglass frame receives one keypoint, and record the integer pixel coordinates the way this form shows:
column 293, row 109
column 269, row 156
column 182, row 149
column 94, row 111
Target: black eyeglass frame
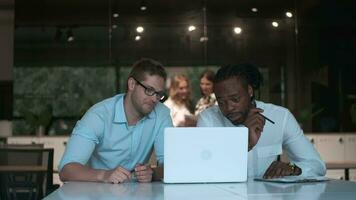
column 150, row 91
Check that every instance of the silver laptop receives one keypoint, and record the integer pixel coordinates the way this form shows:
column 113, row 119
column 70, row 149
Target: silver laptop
column 205, row 154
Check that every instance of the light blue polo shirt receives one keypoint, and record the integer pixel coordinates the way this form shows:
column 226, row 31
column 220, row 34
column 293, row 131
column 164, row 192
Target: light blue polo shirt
column 102, row 139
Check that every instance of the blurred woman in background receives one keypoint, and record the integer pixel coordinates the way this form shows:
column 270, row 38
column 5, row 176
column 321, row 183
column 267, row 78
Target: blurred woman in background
column 206, row 88
column 179, row 102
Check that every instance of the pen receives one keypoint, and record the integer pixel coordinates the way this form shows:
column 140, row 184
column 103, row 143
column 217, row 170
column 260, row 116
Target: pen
column 254, row 103
column 266, row 118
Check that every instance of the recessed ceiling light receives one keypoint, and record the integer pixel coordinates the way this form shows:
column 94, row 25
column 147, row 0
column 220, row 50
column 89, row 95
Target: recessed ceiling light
column 143, row 5
column 115, row 15
column 191, row 28
column 254, row 9
column 204, row 39
column 275, row 24
column 237, row 30
column 289, row 14
column 137, row 38
column 140, row 29
column 70, row 36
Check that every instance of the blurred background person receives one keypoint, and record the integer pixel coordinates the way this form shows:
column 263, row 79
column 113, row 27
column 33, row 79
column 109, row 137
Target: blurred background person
column 206, row 88
column 179, row 101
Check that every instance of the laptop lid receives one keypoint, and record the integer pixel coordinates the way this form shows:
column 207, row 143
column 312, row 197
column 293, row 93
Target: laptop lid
column 205, row 154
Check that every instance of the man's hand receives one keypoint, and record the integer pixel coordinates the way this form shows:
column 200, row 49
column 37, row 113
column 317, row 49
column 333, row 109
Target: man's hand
column 143, row 173
column 117, row 175
column 190, row 121
column 279, row 169
column 255, row 123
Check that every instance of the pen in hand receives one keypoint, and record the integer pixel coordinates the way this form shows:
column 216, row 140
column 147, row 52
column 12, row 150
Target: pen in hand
column 266, row 118
column 254, row 103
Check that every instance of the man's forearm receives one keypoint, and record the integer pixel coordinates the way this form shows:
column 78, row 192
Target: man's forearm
column 79, row 172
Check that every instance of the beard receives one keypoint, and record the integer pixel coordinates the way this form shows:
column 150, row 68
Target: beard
column 237, row 118
column 141, row 107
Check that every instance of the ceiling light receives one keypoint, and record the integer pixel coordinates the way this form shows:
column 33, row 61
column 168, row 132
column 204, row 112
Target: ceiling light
column 191, row 28
column 275, row 24
column 289, row 14
column 137, row 38
column 114, row 26
column 140, row 29
column 143, row 8
column 70, row 36
column 143, row 5
column 254, row 9
column 115, row 15
column 237, row 30
column 203, row 39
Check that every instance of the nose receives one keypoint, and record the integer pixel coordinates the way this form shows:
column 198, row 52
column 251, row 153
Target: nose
column 229, row 106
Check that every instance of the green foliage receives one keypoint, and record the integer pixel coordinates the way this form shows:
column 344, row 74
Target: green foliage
column 306, row 114
column 40, row 118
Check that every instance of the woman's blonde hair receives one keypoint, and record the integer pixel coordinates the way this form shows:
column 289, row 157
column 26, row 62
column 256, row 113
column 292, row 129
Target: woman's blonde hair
column 173, row 90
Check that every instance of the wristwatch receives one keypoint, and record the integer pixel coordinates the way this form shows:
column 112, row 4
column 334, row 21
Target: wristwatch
column 292, row 167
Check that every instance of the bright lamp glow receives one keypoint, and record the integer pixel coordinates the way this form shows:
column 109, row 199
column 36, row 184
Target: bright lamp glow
column 289, row 14
column 237, row 30
column 191, row 28
column 140, row 29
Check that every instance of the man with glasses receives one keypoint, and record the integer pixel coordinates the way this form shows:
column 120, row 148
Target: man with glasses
column 114, row 139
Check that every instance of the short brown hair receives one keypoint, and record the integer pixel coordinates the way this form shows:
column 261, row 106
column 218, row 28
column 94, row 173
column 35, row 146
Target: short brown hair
column 147, row 66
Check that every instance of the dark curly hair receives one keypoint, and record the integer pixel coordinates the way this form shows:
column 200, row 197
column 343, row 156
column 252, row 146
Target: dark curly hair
column 249, row 74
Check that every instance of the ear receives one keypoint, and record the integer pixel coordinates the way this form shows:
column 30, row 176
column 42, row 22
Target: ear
column 130, row 84
column 250, row 90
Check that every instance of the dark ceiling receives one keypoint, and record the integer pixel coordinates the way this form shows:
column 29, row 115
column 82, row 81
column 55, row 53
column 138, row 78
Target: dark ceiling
column 96, row 12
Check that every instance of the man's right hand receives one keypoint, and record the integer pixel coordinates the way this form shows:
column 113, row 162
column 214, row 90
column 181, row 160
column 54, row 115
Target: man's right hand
column 255, row 123
column 117, row 175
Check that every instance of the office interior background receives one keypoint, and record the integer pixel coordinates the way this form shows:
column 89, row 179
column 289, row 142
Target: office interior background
column 59, row 57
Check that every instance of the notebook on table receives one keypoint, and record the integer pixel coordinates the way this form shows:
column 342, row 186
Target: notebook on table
column 205, row 154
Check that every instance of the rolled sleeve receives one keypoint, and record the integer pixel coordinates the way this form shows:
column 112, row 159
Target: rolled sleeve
column 78, row 150
column 300, row 151
column 85, row 136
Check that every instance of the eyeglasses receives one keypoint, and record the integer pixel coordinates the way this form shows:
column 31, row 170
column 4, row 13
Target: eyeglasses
column 150, row 91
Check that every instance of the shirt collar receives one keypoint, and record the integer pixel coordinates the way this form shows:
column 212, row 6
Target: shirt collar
column 120, row 116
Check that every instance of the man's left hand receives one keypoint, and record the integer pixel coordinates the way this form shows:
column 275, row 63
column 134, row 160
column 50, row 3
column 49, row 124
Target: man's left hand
column 279, row 169
column 143, row 173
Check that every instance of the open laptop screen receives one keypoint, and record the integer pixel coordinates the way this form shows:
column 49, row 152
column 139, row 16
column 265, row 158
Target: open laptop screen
column 205, row 154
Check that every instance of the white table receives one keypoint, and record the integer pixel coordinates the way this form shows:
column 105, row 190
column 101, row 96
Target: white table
column 335, row 189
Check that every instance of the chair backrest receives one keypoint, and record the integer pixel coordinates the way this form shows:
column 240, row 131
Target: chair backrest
column 26, row 167
column 22, row 146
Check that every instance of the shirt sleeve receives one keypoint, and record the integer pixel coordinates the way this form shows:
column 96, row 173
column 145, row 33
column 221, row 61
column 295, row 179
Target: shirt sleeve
column 85, row 136
column 299, row 149
column 159, row 140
